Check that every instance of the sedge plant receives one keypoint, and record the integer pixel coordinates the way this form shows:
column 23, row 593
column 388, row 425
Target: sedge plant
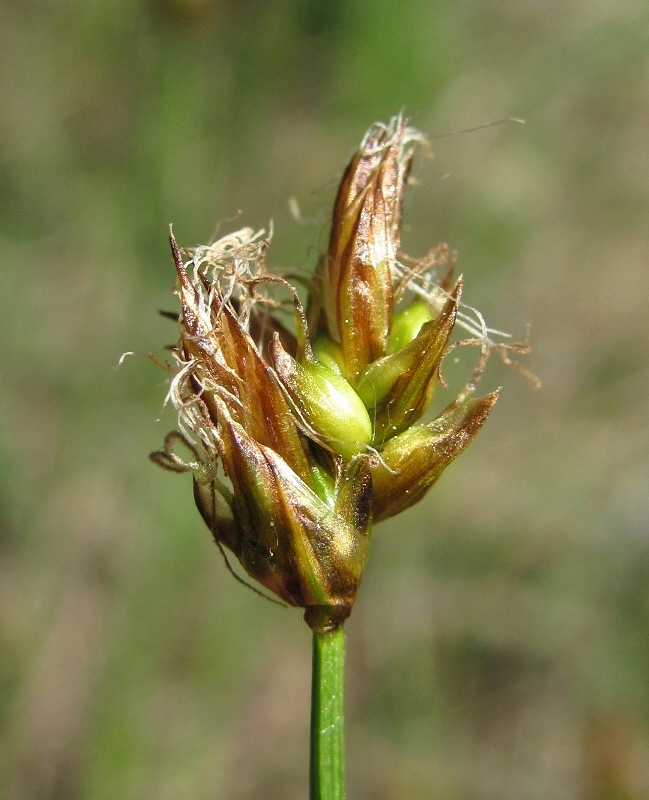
column 301, row 436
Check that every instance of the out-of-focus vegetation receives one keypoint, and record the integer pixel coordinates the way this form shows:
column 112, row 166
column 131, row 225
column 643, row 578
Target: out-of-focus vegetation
column 500, row 646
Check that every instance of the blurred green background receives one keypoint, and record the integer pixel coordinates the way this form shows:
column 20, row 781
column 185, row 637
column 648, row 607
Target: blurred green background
column 500, row 646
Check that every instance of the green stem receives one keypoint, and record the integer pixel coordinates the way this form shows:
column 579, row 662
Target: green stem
column 327, row 779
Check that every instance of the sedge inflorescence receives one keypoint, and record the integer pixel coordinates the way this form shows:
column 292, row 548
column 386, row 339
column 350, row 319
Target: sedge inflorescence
column 299, row 437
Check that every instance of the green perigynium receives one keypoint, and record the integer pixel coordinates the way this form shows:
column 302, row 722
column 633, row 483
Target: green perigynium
column 301, row 439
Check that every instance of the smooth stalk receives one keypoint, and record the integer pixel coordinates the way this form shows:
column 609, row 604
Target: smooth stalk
column 327, row 765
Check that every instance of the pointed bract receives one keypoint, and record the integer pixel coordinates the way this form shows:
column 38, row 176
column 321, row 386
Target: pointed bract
column 398, row 388
column 413, row 461
column 288, row 539
column 225, row 362
column 356, row 278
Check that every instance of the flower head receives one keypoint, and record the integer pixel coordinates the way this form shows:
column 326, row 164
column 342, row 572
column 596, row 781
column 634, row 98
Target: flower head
column 300, row 437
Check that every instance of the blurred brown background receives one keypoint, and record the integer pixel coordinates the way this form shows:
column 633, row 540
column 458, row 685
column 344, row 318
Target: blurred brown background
column 500, row 645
